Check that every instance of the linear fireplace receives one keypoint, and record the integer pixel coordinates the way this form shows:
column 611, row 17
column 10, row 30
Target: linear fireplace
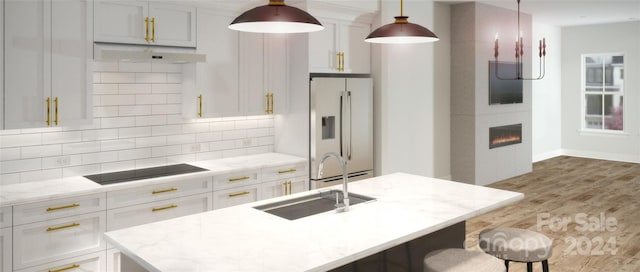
column 505, row 135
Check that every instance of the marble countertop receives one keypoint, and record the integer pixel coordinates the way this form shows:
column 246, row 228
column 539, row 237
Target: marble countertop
column 241, row 238
column 16, row 194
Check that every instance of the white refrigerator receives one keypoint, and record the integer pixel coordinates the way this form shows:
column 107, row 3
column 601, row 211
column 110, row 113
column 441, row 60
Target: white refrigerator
column 341, row 122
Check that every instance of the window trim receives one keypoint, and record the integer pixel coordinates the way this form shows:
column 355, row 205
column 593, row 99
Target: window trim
column 583, row 93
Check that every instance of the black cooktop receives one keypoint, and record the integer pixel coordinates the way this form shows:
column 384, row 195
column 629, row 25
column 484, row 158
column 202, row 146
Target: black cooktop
column 144, row 173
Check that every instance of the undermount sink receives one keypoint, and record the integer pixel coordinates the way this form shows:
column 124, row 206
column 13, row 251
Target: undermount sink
column 304, row 206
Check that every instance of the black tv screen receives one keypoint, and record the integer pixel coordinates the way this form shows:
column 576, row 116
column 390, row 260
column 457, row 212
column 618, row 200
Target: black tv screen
column 503, row 89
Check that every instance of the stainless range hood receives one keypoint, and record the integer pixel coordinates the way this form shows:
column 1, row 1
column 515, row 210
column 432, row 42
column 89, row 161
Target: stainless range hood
column 136, row 53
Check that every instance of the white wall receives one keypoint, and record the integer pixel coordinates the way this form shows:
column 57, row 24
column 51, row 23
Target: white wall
column 607, row 38
column 404, row 95
column 137, row 123
column 547, row 95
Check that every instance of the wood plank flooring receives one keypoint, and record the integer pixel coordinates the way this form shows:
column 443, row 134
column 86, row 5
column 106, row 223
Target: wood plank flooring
column 580, row 191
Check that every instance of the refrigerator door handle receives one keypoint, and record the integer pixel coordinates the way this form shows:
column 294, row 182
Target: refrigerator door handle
column 342, row 121
column 349, row 146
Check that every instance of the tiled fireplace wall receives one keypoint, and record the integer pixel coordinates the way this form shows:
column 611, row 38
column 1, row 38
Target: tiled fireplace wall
column 137, row 123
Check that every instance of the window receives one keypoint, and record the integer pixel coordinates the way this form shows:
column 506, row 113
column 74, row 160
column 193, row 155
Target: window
column 603, row 92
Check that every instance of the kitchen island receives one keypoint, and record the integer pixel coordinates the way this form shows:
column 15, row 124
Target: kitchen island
column 242, row 238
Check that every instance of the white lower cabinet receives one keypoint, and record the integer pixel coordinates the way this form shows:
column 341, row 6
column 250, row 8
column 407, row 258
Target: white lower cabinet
column 54, row 209
column 5, row 249
column 157, row 192
column 94, row 262
column 283, row 187
column 43, row 242
column 156, row 211
column 235, row 196
column 6, row 218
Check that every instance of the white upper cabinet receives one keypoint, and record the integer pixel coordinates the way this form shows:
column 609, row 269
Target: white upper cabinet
column 340, row 47
column 145, row 22
column 211, row 88
column 264, row 74
column 47, row 49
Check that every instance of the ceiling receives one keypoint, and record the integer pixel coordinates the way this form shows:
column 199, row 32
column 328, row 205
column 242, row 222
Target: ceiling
column 572, row 12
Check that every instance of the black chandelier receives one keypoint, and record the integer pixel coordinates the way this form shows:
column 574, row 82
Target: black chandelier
column 542, row 53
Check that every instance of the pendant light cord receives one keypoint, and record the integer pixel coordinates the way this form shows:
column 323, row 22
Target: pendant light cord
column 401, row 8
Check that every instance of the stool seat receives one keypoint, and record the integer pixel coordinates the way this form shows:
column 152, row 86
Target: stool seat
column 513, row 244
column 461, row 260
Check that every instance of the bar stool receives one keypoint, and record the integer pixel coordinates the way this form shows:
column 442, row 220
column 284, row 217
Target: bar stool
column 461, row 260
column 517, row 245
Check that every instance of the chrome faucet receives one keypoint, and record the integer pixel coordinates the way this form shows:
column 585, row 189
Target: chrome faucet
column 345, row 200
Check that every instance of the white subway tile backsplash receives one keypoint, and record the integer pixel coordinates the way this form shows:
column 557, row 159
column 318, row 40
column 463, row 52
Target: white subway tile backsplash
column 152, row 162
column 181, row 139
column 151, row 78
column 7, row 167
column 61, row 137
column 40, row 151
column 134, row 88
column 82, row 170
column 151, row 99
column 163, row 151
column 153, row 120
column 195, row 128
column 79, row 148
column 174, row 78
column 105, row 88
column 234, row 134
column 117, row 122
column 40, row 175
column 20, row 140
column 106, row 111
column 134, row 66
column 134, row 110
column 151, row 141
column 166, row 130
column 134, row 132
column 116, row 100
column 134, row 154
column 170, row 88
column 137, row 123
column 166, row 109
column 117, row 77
column 8, row 154
column 100, row 157
column 120, row 144
column 99, row 134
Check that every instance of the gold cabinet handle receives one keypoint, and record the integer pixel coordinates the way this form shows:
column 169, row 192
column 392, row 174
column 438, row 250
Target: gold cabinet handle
column 287, row 171
column 287, row 187
column 290, row 191
column 65, row 268
column 239, row 194
column 146, row 29
column 172, row 189
column 172, row 206
column 63, row 227
column 55, row 101
column 48, row 111
column 199, row 105
column 267, row 111
column 63, row 207
column 271, row 103
column 342, row 62
column 239, row 179
column 153, row 29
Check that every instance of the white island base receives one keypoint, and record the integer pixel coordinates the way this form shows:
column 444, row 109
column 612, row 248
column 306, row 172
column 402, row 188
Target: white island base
column 411, row 216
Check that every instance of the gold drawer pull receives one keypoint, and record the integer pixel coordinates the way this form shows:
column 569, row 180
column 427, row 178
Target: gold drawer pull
column 173, row 189
column 239, row 179
column 287, row 171
column 63, row 207
column 238, row 194
column 173, row 206
column 63, row 227
column 65, row 268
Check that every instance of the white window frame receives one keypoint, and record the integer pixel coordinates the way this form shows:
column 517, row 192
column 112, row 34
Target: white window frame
column 583, row 93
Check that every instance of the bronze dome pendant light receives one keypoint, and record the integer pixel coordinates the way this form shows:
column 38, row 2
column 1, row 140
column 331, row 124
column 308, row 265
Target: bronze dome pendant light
column 401, row 31
column 276, row 17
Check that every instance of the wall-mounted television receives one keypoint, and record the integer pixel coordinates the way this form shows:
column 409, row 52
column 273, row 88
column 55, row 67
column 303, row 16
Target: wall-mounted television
column 502, row 89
